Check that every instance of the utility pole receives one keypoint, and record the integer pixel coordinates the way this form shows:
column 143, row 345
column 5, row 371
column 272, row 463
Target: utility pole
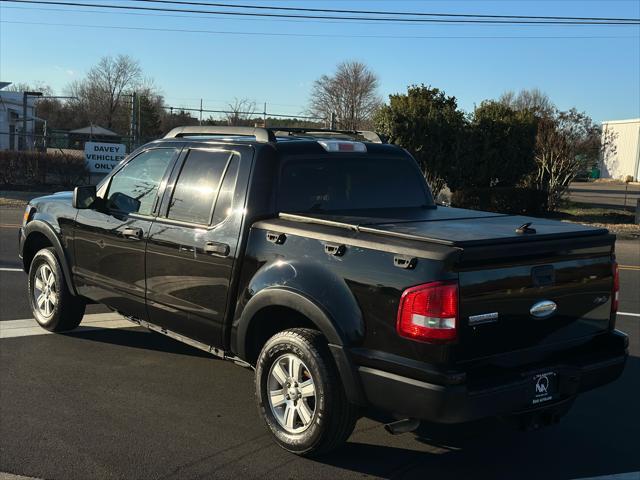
column 139, row 123
column 23, row 145
column 332, row 124
column 200, row 112
column 264, row 115
column 132, row 126
column 25, row 101
column 45, row 132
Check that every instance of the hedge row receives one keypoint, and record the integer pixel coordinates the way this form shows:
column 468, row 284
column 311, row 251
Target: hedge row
column 27, row 169
column 514, row 200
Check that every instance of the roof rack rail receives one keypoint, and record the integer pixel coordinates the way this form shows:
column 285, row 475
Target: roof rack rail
column 266, row 135
column 366, row 135
column 262, row 135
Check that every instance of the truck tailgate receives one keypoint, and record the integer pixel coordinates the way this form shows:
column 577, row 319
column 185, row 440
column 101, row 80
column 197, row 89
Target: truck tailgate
column 507, row 299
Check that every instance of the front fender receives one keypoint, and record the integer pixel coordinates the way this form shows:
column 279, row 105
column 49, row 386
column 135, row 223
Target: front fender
column 310, row 289
column 46, row 229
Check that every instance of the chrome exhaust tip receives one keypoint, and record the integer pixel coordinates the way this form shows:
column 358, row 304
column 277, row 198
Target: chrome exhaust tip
column 402, row 426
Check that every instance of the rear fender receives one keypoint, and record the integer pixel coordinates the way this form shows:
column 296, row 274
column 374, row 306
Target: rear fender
column 317, row 294
column 310, row 289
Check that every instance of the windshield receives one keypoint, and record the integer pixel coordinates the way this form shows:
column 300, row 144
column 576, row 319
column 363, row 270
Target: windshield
column 352, row 184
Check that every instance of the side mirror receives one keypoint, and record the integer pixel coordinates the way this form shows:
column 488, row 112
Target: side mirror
column 84, row 197
column 123, row 203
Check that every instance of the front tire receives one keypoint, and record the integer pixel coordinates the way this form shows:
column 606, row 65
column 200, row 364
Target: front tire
column 53, row 306
column 300, row 394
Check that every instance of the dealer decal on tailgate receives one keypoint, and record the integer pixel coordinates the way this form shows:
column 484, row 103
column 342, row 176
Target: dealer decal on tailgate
column 545, row 387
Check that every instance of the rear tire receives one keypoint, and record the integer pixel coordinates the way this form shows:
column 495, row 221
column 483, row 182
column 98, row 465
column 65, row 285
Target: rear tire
column 52, row 304
column 300, row 394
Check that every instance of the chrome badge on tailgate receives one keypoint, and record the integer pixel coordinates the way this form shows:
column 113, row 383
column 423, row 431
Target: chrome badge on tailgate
column 483, row 318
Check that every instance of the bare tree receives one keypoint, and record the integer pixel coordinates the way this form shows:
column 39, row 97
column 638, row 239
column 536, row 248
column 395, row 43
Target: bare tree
column 566, row 143
column 351, row 93
column 27, row 87
column 534, row 101
column 241, row 111
column 102, row 95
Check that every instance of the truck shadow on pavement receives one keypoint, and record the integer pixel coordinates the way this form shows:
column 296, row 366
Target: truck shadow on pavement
column 136, row 337
column 599, row 436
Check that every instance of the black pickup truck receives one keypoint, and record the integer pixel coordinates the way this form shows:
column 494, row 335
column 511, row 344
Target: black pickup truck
column 320, row 259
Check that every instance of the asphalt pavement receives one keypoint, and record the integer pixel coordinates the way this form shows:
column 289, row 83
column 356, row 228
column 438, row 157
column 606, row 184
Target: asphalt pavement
column 115, row 402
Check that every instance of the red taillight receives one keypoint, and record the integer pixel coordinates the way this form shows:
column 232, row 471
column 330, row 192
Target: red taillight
column 429, row 312
column 615, row 292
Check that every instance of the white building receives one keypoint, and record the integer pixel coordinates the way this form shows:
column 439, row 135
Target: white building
column 623, row 158
column 11, row 110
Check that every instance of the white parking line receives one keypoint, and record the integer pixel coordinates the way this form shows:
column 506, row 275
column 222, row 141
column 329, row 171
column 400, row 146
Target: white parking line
column 11, row 270
column 11, row 476
column 29, row 327
column 627, row 314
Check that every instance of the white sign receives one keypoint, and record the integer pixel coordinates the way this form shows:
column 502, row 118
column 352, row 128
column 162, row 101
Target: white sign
column 103, row 157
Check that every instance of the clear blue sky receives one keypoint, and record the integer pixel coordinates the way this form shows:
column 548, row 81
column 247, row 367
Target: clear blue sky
column 598, row 75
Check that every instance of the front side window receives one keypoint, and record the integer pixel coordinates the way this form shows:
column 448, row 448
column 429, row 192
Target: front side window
column 197, row 187
column 134, row 188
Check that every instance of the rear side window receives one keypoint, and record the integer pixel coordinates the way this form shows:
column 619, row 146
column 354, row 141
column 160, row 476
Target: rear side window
column 197, row 187
column 227, row 190
column 351, row 184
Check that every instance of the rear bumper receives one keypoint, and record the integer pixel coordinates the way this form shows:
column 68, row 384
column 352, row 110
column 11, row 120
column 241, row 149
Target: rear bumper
column 487, row 397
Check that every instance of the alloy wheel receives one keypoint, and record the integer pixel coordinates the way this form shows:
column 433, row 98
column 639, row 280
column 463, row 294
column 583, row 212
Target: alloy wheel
column 45, row 291
column 292, row 393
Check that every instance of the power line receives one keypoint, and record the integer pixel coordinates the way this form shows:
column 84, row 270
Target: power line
column 161, row 15
column 324, row 17
column 321, row 35
column 379, row 12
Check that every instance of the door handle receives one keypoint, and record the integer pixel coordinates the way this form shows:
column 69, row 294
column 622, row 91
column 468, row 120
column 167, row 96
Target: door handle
column 335, row 250
column 277, row 238
column 217, row 249
column 132, row 233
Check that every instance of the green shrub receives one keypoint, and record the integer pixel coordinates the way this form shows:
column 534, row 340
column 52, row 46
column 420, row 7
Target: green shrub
column 428, row 124
column 514, row 200
column 27, row 169
column 497, row 148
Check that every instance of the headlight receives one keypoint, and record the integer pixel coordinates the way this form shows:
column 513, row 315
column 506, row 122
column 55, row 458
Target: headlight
column 27, row 215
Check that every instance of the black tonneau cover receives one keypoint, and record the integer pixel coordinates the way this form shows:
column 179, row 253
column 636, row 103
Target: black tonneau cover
column 450, row 226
